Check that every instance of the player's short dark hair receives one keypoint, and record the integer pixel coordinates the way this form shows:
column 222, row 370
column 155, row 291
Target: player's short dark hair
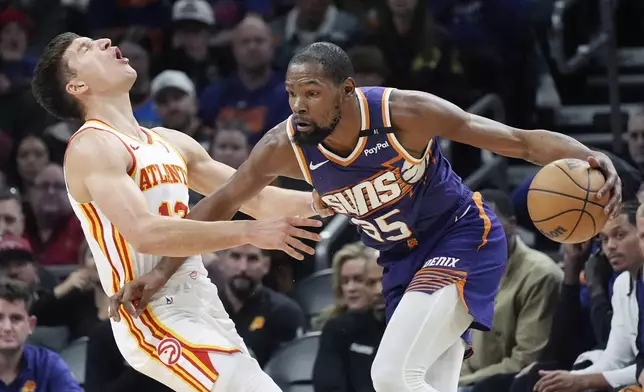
column 12, row 290
column 50, row 77
column 502, row 203
column 334, row 61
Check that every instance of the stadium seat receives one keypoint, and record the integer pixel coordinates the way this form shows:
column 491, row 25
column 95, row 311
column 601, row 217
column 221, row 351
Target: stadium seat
column 292, row 366
column 53, row 338
column 75, row 355
column 315, row 292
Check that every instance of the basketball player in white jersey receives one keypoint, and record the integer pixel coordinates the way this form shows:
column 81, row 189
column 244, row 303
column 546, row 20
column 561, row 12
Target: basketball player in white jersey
column 128, row 186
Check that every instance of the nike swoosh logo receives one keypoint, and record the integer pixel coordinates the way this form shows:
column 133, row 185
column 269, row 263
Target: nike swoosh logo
column 134, row 147
column 317, row 165
column 457, row 218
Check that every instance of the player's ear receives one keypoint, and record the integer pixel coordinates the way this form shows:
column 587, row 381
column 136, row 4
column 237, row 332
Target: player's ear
column 349, row 86
column 76, row 87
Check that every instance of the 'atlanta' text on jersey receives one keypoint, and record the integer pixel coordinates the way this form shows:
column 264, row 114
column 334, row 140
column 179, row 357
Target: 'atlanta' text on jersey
column 390, row 195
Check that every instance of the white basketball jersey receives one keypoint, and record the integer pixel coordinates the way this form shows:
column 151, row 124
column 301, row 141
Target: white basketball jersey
column 160, row 172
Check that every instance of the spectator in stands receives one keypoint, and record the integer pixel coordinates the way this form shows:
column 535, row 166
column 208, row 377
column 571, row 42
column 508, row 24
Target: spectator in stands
column 190, row 50
column 230, row 143
column 420, row 54
column 264, row 318
column 349, row 341
column 78, row 303
column 112, row 18
column 348, row 282
column 56, row 235
column 523, row 307
column 613, row 367
column 175, row 99
column 107, row 371
column 12, row 219
column 635, row 134
column 24, row 367
column 17, row 262
column 254, row 93
column 311, row 21
column 16, row 67
column 369, row 66
column 30, row 155
column 140, row 94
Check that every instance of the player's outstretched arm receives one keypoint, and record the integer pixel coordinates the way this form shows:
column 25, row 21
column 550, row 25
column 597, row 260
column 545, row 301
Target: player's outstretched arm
column 271, row 157
column 205, row 175
column 413, row 110
column 96, row 170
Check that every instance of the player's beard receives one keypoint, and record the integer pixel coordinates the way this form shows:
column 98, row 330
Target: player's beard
column 242, row 286
column 318, row 134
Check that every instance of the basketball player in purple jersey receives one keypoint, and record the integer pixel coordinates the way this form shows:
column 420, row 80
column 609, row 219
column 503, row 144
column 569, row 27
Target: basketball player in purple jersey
column 374, row 154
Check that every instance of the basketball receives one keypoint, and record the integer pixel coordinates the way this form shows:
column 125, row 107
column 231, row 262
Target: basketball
column 563, row 203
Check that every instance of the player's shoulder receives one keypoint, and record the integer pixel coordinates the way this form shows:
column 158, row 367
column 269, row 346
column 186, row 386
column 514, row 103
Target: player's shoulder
column 186, row 146
column 275, row 138
column 411, row 107
column 89, row 144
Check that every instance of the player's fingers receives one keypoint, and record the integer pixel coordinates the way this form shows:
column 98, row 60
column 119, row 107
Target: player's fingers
column 299, row 245
column 115, row 304
column 300, row 233
column 127, row 293
column 304, row 222
column 611, row 180
column 146, row 297
column 292, row 252
column 594, row 162
column 130, row 308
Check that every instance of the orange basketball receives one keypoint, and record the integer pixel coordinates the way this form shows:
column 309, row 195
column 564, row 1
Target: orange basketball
column 563, row 203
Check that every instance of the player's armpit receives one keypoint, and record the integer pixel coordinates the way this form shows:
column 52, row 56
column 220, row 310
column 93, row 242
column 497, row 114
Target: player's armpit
column 206, row 176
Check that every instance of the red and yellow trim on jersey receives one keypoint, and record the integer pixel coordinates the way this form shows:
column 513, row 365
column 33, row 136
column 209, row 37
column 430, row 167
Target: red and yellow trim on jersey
column 487, row 223
column 402, row 151
column 97, row 230
column 147, row 331
column 101, row 126
column 299, row 154
column 150, row 350
column 362, row 141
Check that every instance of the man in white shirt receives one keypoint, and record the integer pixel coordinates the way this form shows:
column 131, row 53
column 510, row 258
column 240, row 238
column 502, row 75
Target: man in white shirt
column 615, row 366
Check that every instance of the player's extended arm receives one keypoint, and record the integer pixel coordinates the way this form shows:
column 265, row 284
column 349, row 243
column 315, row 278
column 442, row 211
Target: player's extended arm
column 412, row 110
column 205, row 175
column 271, row 157
column 96, row 170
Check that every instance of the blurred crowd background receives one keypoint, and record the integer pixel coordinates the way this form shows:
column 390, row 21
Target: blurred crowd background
column 214, row 69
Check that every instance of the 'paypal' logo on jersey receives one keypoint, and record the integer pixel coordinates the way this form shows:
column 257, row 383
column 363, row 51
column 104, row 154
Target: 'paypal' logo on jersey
column 375, row 149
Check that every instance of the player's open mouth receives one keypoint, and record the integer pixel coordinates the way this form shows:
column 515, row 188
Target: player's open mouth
column 119, row 55
column 304, row 126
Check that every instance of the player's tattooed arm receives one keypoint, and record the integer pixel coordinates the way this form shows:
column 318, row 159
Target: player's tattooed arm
column 421, row 116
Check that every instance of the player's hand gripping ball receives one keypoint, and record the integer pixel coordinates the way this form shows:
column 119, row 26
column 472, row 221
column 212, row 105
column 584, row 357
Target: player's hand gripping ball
column 569, row 200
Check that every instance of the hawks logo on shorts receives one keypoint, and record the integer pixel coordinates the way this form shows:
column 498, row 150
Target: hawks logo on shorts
column 169, row 351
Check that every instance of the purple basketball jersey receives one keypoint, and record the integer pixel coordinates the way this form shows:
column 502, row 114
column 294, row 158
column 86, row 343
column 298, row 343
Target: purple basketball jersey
column 393, row 198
